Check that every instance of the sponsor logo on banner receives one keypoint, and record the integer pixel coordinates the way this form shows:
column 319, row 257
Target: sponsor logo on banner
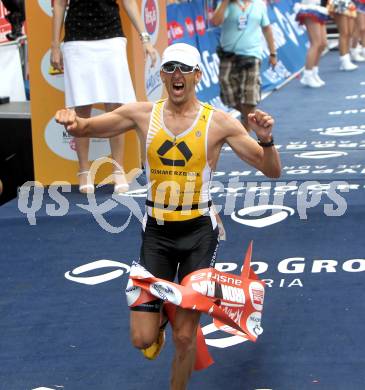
column 153, row 83
column 283, row 213
column 56, row 80
column 132, row 292
column 257, row 295
column 151, row 18
column 189, row 24
column 62, row 144
column 200, row 25
column 254, row 323
column 174, row 31
column 321, row 154
column 287, row 266
column 167, row 292
column 46, row 6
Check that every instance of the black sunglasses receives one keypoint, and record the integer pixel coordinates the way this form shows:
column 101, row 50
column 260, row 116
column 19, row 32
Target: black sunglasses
column 170, row 67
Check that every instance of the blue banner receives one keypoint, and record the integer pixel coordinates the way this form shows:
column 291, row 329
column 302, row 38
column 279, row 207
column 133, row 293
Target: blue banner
column 290, row 41
column 187, row 22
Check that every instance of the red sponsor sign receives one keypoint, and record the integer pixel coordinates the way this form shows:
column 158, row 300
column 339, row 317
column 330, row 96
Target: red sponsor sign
column 150, row 16
column 200, row 25
column 189, row 24
column 175, row 30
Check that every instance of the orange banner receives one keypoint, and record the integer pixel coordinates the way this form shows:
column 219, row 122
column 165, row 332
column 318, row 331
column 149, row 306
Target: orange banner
column 235, row 302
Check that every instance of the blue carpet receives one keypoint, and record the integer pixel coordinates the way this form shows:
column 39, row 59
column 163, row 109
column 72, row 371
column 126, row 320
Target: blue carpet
column 61, row 334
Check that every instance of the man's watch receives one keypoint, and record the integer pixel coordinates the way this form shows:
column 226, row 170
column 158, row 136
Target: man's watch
column 272, row 54
column 266, row 144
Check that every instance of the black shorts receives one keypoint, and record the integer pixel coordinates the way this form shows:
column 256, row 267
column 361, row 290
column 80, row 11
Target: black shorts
column 177, row 248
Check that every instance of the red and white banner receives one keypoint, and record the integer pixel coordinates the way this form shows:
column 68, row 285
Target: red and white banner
column 235, row 302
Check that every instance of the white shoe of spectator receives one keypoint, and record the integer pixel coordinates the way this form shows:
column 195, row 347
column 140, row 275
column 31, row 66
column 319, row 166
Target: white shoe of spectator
column 346, row 64
column 356, row 55
column 316, row 76
column 308, row 79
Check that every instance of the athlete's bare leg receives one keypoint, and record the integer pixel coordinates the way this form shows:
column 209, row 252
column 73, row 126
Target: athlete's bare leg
column 184, row 335
column 144, row 328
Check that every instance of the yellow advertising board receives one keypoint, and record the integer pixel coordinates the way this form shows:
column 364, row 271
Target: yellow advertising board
column 54, row 152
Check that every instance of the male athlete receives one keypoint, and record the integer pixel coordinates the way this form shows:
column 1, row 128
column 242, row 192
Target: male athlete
column 182, row 138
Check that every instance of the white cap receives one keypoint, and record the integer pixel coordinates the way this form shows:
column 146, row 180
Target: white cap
column 181, row 52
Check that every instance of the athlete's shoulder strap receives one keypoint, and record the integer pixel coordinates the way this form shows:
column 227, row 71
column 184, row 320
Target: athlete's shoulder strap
column 160, row 101
column 207, row 106
column 206, row 113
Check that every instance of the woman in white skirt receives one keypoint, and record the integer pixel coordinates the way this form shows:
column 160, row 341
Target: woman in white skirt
column 313, row 14
column 94, row 61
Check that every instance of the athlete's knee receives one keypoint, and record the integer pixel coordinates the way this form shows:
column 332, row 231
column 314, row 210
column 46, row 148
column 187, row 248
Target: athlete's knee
column 142, row 339
column 184, row 341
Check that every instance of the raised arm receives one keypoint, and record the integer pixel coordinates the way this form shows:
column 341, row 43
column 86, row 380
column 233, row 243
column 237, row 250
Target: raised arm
column 59, row 7
column 106, row 125
column 135, row 17
column 266, row 159
column 218, row 15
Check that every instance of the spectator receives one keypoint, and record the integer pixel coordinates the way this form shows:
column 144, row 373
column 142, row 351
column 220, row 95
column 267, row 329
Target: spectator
column 313, row 14
column 241, row 51
column 358, row 42
column 96, row 69
column 15, row 17
column 344, row 15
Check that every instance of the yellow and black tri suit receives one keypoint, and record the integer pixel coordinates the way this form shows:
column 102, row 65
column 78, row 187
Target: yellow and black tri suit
column 180, row 231
column 177, row 168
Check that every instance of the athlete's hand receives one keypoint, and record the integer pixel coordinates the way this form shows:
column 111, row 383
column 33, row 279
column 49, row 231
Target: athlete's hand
column 69, row 119
column 261, row 123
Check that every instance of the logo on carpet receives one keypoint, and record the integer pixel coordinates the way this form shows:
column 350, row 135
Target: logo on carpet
column 283, row 213
column 321, row 154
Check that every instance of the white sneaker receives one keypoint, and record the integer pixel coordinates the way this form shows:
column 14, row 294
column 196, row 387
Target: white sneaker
column 346, row 64
column 316, row 76
column 356, row 55
column 309, row 80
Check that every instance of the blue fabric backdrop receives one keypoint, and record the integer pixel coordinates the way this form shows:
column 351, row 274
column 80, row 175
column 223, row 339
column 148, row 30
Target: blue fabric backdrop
column 187, row 22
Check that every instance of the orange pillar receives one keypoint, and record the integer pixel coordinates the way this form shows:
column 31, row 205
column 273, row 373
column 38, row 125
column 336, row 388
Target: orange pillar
column 146, row 79
column 53, row 149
